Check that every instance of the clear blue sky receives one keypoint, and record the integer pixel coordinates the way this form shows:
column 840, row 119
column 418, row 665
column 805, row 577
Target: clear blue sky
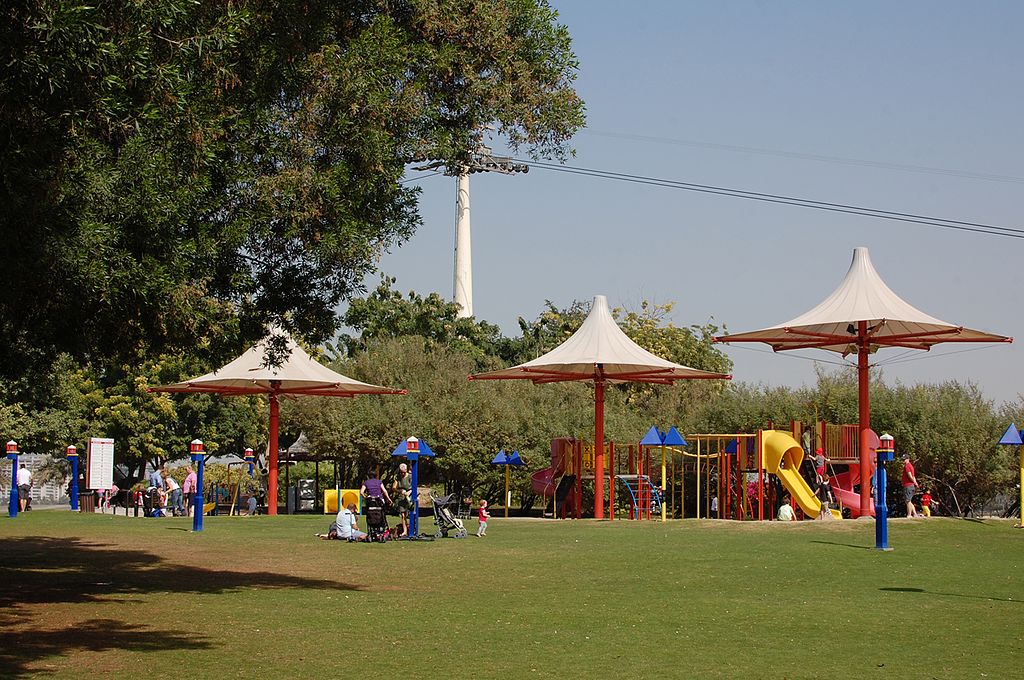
column 916, row 107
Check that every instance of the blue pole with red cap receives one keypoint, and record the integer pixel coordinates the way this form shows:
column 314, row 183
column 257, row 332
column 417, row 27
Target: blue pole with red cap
column 12, row 455
column 883, row 453
column 196, row 451
column 73, row 459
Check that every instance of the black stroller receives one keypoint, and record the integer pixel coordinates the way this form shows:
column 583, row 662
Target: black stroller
column 377, row 520
column 445, row 520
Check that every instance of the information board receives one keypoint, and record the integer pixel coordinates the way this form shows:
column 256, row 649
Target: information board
column 100, row 473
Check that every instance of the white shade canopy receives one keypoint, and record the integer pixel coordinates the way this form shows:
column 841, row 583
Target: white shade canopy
column 298, row 374
column 863, row 296
column 599, row 350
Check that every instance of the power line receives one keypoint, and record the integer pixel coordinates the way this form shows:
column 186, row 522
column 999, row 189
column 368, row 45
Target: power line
column 419, row 177
column 912, row 218
column 989, row 177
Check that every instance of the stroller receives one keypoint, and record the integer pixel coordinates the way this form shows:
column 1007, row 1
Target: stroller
column 377, row 520
column 445, row 520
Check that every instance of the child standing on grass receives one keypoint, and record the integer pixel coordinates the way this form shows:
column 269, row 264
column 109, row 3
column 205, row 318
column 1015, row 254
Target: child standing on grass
column 484, row 516
column 927, row 502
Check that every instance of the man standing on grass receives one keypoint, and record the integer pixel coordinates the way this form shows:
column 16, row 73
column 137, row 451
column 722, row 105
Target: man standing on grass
column 909, row 485
column 24, row 486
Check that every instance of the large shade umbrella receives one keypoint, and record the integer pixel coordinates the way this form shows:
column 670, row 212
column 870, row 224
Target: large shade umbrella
column 861, row 316
column 297, row 375
column 601, row 353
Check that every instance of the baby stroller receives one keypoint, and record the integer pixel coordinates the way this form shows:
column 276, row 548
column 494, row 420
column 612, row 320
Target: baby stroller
column 377, row 520
column 445, row 520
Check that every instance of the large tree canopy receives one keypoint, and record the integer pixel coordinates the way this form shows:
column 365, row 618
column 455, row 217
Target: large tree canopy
column 175, row 169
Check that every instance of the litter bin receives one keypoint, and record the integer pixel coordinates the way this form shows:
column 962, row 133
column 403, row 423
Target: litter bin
column 87, row 501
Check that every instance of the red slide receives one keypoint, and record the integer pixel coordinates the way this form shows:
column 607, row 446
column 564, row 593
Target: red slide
column 842, row 485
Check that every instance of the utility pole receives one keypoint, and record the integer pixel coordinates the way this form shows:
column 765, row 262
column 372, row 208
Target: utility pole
column 481, row 160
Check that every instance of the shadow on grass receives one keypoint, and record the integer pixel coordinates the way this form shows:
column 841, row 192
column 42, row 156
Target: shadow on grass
column 39, row 570
column 23, row 649
column 936, row 592
column 61, row 570
column 846, row 545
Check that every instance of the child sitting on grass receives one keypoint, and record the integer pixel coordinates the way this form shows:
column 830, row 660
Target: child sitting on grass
column 484, row 516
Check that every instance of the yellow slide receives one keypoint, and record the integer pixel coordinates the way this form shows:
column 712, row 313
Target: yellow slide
column 781, row 456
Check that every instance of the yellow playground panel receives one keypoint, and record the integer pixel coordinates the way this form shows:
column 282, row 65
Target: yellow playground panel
column 348, row 496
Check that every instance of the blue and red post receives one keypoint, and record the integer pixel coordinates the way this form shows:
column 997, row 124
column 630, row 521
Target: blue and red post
column 250, row 459
column 73, row 459
column 12, row 455
column 883, row 453
column 196, row 451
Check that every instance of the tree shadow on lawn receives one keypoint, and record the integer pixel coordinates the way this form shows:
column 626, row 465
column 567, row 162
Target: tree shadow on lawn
column 936, row 592
column 46, row 570
column 22, row 648
column 39, row 570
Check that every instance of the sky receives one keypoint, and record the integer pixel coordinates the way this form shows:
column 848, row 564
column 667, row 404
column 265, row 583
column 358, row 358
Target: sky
column 911, row 107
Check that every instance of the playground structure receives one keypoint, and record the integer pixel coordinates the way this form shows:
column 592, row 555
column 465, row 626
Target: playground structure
column 740, row 476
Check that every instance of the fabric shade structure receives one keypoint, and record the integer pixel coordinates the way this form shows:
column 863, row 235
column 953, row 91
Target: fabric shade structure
column 601, row 353
column 861, row 316
column 298, row 375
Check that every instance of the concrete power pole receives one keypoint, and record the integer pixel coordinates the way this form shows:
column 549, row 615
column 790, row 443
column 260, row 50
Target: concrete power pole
column 482, row 161
column 463, row 284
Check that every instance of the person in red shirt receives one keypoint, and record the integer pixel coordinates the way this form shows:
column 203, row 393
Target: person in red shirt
column 909, row 485
column 926, row 503
column 484, row 516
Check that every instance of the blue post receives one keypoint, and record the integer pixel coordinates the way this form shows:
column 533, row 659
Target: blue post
column 12, row 455
column 73, row 458
column 196, row 451
column 414, row 514
column 883, row 453
column 249, row 458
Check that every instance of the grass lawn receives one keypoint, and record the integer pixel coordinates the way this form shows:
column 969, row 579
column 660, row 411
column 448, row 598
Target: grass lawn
column 256, row 597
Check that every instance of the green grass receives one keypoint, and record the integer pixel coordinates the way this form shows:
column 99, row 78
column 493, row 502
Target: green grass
column 252, row 597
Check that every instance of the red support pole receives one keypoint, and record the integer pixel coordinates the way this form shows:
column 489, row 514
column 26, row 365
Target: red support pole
column 647, row 464
column 760, row 480
column 864, row 405
column 629, row 471
column 578, row 461
column 275, row 414
column 599, row 449
column 611, row 480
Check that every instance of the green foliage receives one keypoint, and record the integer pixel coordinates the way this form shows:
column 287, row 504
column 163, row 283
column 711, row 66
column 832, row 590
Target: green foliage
column 179, row 173
column 385, row 313
column 74, row 403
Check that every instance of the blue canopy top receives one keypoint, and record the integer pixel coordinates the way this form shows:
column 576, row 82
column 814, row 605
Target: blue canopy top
column 656, row 438
column 1011, row 436
column 652, row 438
column 508, row 459
column 673, row 438
column 412, row 448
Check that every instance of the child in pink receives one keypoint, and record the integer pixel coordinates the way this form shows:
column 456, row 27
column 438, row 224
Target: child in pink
column 484, row 516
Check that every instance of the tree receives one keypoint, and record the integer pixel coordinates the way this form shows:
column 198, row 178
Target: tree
column 385, row 313
column 179, row 174
column 74, row 403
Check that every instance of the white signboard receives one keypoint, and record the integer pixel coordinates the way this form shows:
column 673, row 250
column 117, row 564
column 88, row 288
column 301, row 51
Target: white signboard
column 101, row 463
